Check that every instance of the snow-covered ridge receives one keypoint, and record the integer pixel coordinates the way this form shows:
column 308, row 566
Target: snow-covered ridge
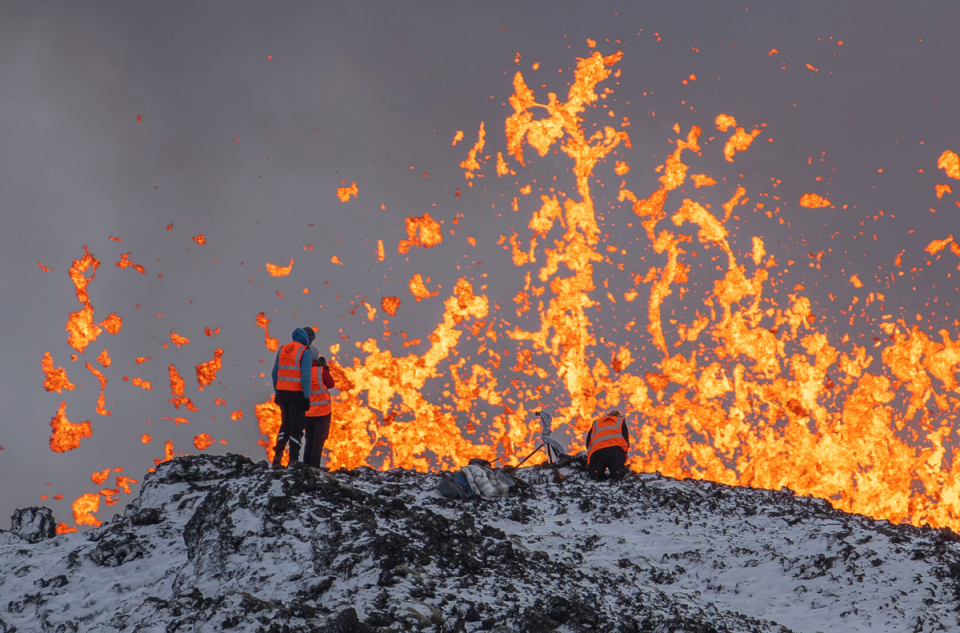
column 217, row 543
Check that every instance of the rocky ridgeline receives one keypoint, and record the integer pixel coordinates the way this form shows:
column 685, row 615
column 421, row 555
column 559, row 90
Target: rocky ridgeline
column 219, row 543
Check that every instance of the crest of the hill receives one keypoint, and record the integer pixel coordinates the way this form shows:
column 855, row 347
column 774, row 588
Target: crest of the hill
column 222, row 544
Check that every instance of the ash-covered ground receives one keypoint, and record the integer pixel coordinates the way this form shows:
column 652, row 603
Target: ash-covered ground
column 218, row 543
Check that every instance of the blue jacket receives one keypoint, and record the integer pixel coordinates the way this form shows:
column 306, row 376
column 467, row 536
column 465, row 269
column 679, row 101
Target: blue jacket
column 306, row 363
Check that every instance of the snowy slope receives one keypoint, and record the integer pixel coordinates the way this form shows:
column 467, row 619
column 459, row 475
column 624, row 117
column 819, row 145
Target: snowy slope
column 217, row 543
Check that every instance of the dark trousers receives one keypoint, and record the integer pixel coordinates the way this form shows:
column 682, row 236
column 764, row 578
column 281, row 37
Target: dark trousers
column 292, row 407
column 317, row 430
column 613, row 458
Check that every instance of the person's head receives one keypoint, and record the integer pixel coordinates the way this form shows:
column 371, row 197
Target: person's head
column 323, row 361
column 316, row 356
column 614, row 413
column 311, row 333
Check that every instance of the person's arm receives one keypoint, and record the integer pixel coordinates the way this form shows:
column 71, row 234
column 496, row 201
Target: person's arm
column 626, row 432
column 327, row 379
column 589, row 435
column 276, row 364
column 306, row 365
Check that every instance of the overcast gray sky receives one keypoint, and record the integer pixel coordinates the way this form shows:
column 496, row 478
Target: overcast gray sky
column 117, row 119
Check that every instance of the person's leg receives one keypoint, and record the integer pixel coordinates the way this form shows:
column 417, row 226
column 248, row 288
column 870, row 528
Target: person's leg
column 298, row 409
column 596, row 469
column 310, row 433
column 283, row 435
column 321, row 433
column 618, row 464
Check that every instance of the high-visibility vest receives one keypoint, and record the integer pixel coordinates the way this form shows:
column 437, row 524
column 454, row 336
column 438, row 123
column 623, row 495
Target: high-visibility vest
column 288, row 367
column 319, row 395
column 607, row 431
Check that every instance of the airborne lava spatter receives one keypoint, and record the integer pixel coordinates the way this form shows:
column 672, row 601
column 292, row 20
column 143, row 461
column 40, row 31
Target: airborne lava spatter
column 749, row 391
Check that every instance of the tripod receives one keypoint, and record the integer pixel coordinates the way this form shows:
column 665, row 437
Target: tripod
column 552, row 446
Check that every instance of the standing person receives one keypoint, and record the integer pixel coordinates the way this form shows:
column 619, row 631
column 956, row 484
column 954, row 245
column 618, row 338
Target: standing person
column 607, row 444
column 291, row 382
column 317, row 420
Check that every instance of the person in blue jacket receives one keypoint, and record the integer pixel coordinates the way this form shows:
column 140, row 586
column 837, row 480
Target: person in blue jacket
column 291, row 383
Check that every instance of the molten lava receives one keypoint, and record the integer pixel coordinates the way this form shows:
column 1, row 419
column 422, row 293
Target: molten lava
column 84, row 507
column 421, row 231
column 80, row 325
column 278, row 271
column 54, row 379
column 207, row 371
column 67, row 435
column 262, row 321
column 344, row 193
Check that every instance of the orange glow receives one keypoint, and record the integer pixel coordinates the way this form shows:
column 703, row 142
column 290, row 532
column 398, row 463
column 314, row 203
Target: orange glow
column 112, row 323
column 200, row 239
column 99, row 477
column 177, row 390
column 207, row 371
column 270, row 342
column 124, row 483
column 702, row 180
column 471, row 164
column 143, row 384
column 177, row 421
column 54, row 379
column 457, row 137
column 277, row 271
column 178, row 340
column 622, row 168
column 84, row 507
column 813, row 201
column 141, row 359
column 336, row 260
column 739, row 142
column 390, row 305
column 950, row 163
column 419, row 290
column 942, row 189
column 101, row 401
column 145, row 438
column 125, row 262
column 236, row 415
column 725, row 122
column 63, row 528
column 104, row 358
column 44, row 268
column 380, row 251
column 344, row 192
column 772, row 52
column 810, row 66
column 421, row 231
column 67, row 435
column 80, row 324
column 268, row 419
column 936, row 246
column 202, row 441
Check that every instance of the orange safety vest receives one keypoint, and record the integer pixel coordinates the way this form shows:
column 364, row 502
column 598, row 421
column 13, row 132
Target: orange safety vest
column 607, row 431
column 288, row 367
column 319, row 395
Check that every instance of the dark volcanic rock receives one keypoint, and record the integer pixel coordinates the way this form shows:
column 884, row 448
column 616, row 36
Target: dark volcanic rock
column 219, row 543
column 33, row 524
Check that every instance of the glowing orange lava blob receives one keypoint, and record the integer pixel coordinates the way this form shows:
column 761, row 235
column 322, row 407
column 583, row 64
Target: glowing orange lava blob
column 54, row 379
column 278, row 271
column 202, row 441
column 344, row 193
column 813, row 201
column 84, row 507
column 207, row 371
column 270, row 342
column 421, row 231
column 389, row 305
column 80, row 324
column 67, row 435
column 178, row 340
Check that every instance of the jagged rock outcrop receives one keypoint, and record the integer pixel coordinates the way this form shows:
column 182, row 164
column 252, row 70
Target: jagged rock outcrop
column 33, row 524
column 218, row 543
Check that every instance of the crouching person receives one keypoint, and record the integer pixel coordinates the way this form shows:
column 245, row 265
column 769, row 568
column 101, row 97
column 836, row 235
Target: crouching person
column 607, row 444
